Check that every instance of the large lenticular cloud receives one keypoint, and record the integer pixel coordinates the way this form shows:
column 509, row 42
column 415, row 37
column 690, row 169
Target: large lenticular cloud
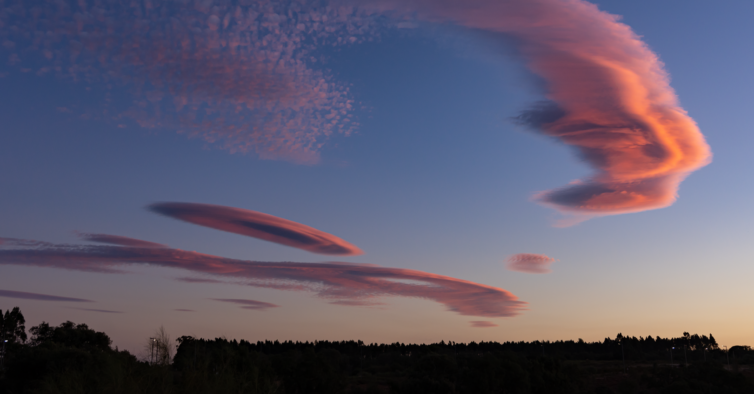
column 257, row 225
column 610, row 95
column 339, row 283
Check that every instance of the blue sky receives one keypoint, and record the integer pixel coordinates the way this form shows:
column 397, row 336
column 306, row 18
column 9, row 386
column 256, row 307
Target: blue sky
column 436, row 178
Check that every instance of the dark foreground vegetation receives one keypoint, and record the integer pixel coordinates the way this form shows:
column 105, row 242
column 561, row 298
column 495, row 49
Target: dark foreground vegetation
column 72, row 358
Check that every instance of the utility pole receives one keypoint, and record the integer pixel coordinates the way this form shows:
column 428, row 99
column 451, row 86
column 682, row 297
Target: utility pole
column 686, row 359
column 727, row 356
column 671, row 356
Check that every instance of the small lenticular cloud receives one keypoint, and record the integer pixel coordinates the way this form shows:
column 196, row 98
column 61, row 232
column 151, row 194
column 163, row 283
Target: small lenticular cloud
column 38, row 297
column 530, row 263
column 188, row 279
column 118, row 240
column 257, row 225
column 97, row 310
column 482, row 324
column 248, row 304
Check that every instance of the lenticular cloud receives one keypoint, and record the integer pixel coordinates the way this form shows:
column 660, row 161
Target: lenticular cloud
column 257, row 225
column 338, row 283
column 530, row 263
column 119, row 240
column 609, row 98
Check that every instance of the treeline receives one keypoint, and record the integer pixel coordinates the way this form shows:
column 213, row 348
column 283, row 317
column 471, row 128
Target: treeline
column 72, row 358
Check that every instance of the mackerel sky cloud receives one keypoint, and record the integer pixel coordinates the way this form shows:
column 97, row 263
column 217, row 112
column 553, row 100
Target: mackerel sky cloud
column 349, row 284
column 257, row 225
column 237, row 76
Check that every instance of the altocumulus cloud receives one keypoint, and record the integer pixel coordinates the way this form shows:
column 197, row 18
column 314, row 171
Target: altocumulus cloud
column 338, row 283
column 257, row 225
column 235, row 74
column 530, row 263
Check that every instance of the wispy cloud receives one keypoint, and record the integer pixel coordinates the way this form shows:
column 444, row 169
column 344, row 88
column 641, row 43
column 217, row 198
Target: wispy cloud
column 530, row 263
column 97, row 310
column 608, row 97
column 482, row 324
column 197, row 280
column 118, row 240
column 335, row 282
column 248, row 304
column 38, row 297
column 257, row 225
column 184, row 310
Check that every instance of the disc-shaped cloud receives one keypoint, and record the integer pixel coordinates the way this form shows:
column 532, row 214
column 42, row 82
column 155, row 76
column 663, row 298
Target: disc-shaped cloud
column 609, row 97
column 248, row 304
column 257, row 225
column 339, row 283
column 118, row 240
column 530, row 263
column 38, row 297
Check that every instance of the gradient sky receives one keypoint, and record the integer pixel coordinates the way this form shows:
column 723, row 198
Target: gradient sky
column 429, row 170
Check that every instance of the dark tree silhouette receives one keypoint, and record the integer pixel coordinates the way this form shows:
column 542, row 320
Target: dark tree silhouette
column 12, row 326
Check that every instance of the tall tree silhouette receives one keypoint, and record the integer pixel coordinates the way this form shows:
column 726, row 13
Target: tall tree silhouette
column 12, row 326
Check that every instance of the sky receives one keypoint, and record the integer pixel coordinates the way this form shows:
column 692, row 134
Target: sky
column 334, row 170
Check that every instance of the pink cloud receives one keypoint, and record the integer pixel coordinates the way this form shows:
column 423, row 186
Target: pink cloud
column 608, row 96
column 184, row 310
column 235, row 75
column 530, row 263
column 333, row 282
column 118, row 240
column 248, row 304
column 257, row 225
column 482, row 324
column 38, row 297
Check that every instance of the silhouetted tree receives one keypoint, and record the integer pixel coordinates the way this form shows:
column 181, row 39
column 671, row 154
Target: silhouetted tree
column 12, row 326
column 69, row 334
